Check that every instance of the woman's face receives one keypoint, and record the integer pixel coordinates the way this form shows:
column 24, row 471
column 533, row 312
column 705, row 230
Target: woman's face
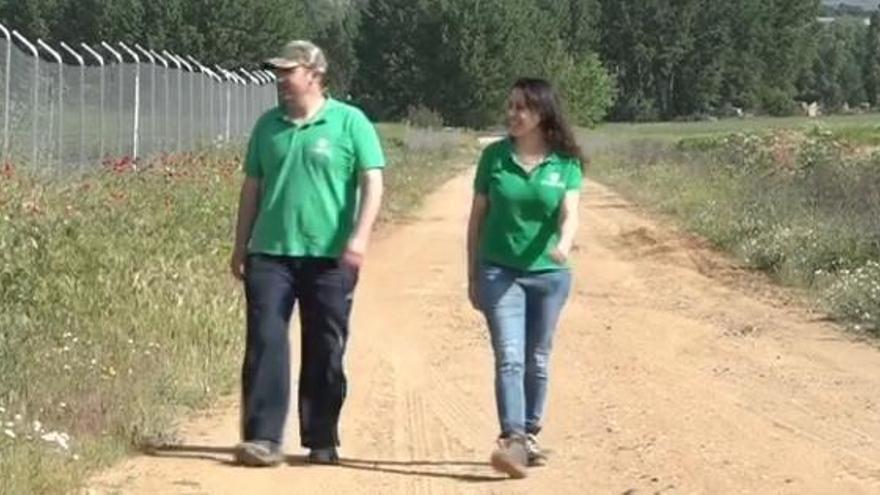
column 521, row 120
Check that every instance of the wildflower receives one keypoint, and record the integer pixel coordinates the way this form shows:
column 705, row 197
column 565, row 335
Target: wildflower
column 60, row 439
column 9, row 433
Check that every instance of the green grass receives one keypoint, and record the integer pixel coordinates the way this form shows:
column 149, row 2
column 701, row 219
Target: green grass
column 623, row 133
column 802, row 205
column 117, row 313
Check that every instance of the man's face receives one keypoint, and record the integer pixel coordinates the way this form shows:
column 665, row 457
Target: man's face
column 294, row 84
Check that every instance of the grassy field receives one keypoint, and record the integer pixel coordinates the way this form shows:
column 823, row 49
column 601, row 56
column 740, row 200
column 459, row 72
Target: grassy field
column 117, row 313
column 798, row 198
column 623, row 133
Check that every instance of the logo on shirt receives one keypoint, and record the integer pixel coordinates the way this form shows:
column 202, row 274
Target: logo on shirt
column 554, row 179
column 322, row 147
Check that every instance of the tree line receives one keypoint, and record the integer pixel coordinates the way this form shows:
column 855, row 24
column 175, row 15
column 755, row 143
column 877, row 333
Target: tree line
column 627, row 60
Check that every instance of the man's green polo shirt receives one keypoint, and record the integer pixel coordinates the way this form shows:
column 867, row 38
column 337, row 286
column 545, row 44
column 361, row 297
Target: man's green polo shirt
column 522, row 225
column 310, row 175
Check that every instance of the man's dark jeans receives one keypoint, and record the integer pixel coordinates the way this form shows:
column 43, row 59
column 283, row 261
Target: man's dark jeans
column 324, row 288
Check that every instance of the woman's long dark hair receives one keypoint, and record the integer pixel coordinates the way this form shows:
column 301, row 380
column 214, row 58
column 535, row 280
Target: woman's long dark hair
column 540, row 97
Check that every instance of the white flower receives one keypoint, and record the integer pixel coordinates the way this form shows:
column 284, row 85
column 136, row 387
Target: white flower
column 18, row 417
column 38, row 426
column 60, row 439
column 2, row 410
column 9, row 433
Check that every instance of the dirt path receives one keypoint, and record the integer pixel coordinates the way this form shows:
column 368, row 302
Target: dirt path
column 673, row 372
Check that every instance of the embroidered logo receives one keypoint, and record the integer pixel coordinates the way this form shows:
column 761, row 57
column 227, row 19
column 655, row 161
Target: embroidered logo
column 322, row 147
column 554, row 179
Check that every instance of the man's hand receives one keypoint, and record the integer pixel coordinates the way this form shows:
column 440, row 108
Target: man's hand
column 354, row 253
column 473, row 296
column 236, row 263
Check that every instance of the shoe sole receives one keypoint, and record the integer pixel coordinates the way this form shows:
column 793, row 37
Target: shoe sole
column 503, row 462
column 538, row 462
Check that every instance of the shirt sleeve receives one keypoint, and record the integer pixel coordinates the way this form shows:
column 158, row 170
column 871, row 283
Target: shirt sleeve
column 484, row 172
column 575, row 177
column 367, row 146
column 252, row 166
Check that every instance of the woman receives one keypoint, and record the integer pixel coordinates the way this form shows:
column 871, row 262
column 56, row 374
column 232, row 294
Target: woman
column 520, row 233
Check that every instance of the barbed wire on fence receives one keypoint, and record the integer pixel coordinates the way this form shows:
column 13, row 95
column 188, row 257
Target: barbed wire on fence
column 73, row 107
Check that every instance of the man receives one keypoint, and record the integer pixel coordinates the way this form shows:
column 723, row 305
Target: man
column 311, row 194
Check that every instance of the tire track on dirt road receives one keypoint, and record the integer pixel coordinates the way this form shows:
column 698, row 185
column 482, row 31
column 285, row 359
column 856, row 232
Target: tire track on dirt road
column 674, row 371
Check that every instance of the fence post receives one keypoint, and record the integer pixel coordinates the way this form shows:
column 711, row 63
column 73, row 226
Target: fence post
column 243, row 91
column 253, row 96
column 82, row 101
column 261, row 94
column 57, row 56
column 174, row 61
column 192, row 107
column 273, row 91
column 227, row 116
column 212, row 107
column 167, row 111
column 137, row 99
column 100, row 60
column 152, row 60
column 218, row 97
column 200, row 68
column 118, row 57
column 36, row 56
column 6, row 84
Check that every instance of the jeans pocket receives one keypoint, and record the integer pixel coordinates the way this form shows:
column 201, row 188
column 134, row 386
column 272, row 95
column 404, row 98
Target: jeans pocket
column 349, row 275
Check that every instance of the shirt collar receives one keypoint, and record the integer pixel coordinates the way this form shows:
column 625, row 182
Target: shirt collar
column 319, row 117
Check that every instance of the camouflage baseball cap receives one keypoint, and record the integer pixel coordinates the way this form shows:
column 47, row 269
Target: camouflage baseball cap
column 299, row 53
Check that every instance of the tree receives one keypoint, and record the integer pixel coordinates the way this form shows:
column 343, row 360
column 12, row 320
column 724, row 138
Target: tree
column 243, row 32
column 34, row 18
column 587, row 89
column 398, row 41
column 788, row 48
column 336, row 33
column 871, row 71
column 837, row 71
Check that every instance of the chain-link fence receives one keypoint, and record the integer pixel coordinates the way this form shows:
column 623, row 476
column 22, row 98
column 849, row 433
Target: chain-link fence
column 69, row 107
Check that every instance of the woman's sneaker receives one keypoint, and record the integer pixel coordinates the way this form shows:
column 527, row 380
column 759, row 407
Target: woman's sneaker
column 511, row 457
column 536, row 456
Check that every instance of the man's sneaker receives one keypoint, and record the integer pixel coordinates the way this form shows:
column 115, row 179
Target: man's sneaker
column 536, row 456
column 325, row 455
column 258, row 453
column 511, row 456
